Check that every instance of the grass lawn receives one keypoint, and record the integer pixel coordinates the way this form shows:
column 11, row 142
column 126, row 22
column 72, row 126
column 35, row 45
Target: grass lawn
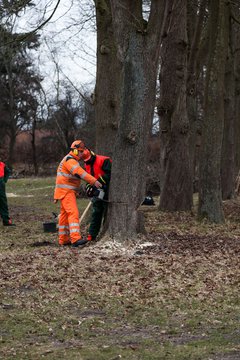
column 170, row 294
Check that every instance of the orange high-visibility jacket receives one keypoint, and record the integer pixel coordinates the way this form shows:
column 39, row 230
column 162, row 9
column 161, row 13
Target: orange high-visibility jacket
column 69, row 175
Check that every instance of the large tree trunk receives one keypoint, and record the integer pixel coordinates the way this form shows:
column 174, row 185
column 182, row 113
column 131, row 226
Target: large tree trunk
column 210, row 196
column 236, row 41
column 106, row 97
column 11, row 145
column 196, row 20
column 174, row 125
column 228, row 146
column 138, row 45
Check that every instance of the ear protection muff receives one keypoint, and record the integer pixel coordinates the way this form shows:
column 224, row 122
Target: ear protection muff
column 75, row 151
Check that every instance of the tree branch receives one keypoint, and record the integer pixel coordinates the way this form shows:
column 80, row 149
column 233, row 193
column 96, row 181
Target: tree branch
column 26, row 36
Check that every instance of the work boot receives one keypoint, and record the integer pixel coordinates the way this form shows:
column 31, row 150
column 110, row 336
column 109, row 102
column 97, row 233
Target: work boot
column 8, row 223
column 90, row 238
column 79, row 242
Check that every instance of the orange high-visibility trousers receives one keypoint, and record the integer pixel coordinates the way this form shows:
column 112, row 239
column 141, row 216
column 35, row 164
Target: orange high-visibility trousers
column 68, row 223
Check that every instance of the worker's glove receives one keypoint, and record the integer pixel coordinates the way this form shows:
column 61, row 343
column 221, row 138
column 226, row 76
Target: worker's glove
column 92, row 191
column 89, row 190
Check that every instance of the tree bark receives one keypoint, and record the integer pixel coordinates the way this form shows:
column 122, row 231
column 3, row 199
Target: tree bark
column 210, row 196
column 236, row 42
column 138, row 44
column 174, row 125
column 228, row 145
column 196, row 20
column 106, row 96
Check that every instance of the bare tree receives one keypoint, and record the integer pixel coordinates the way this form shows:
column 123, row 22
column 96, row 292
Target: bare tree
column 176, row 193
column 197, row 16
column 210, row 197
column 236, row 49
column 228, row 145
column 138, row 46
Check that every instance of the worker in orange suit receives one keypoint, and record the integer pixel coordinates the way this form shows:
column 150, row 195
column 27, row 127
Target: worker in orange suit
column 69, row 175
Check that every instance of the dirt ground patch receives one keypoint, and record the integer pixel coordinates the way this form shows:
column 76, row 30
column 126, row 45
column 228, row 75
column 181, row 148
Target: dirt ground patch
column 171, row 294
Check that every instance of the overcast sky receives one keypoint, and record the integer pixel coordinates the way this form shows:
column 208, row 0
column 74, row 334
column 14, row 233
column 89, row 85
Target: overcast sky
column 68, row 38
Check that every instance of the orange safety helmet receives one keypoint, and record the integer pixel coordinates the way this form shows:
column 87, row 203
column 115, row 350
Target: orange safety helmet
column 77, row 145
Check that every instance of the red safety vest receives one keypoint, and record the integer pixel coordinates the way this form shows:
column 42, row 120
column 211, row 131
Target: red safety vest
column 96, row 169
column 2, row 167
